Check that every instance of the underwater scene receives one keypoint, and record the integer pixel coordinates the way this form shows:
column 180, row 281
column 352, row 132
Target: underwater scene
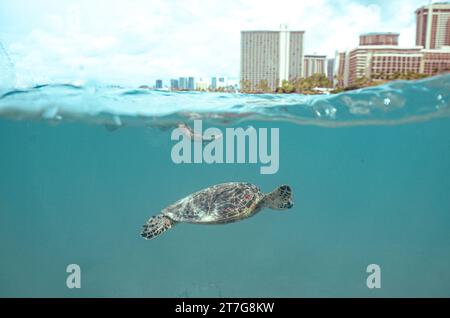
column 366, row 176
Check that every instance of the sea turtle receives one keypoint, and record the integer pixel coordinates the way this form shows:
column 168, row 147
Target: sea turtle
column 218, row 204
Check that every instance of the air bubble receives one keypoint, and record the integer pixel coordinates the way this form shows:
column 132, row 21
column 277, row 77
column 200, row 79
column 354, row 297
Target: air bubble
column 50, row 113
column 117, row 121
column 330, row 112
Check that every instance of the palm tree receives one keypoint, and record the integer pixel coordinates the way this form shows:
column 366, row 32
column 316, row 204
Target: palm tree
column 245, row 86
column 263, row 87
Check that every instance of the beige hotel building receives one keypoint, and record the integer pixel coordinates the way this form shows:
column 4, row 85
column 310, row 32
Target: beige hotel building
column 382, row 57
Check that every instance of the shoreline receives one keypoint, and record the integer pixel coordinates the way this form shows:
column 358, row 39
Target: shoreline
column 308, row 86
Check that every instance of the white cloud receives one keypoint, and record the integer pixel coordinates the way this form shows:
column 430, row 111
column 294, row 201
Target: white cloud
column 136, row 41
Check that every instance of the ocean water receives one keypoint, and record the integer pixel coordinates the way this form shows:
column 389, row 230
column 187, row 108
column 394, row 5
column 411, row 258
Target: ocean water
column 83, row 167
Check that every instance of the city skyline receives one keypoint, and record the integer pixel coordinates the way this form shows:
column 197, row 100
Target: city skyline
column 195, row 83
column 67, row 40
column 377, row 57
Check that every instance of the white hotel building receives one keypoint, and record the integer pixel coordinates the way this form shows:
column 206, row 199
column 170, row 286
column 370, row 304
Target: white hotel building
column 315, row 64
column 270, row 57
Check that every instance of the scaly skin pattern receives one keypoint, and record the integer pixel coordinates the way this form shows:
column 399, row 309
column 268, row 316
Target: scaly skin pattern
column 219, row 204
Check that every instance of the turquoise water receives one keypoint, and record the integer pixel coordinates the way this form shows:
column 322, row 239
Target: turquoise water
column 82, row 168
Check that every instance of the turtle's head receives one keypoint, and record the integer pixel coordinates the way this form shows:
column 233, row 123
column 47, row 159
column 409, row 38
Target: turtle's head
column 280, row 198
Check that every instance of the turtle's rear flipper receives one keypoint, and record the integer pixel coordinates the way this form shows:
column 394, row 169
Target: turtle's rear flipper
column 155, row 226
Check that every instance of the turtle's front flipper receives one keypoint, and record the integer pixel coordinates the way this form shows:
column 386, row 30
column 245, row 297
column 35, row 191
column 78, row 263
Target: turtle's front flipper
column 156, row 225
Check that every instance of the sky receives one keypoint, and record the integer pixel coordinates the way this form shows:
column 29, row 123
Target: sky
column 136, row 41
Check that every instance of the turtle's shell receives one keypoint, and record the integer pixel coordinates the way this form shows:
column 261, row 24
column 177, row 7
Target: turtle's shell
column 221, row 203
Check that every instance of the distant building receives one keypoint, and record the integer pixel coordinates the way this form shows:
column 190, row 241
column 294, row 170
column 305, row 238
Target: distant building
column 378, row 54
column 202, row 84
column 174, row 84
column 183, row 83
column 433, row 33
column 380, row 61
column 315, row 64
column 222, row 82
column 330, row 70
column 260, row 59
column 269, row 57
column 159, row 84
column 384, row 38
column 219, row 82
column 436, row 61
column 213, row 82
column 341, row 69
column 191, row 84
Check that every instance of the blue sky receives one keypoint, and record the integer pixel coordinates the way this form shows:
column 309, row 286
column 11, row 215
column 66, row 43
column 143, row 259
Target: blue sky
column 135, row 41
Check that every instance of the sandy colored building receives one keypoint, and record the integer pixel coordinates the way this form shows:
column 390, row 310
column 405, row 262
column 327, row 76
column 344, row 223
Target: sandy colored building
column 380, row 61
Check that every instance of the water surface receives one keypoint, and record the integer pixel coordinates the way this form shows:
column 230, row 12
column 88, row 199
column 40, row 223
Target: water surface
column 83, row 167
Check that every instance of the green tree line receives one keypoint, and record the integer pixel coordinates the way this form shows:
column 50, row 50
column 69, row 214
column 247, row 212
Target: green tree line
column 297, row 85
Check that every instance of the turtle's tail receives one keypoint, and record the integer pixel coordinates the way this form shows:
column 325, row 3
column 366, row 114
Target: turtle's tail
column 156, row 225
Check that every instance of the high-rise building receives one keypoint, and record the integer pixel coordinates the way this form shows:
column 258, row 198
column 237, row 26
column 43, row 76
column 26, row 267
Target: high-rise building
column 330, row 70
column 269, row 57
column 213, row 82
column 260, row 59
column 341, row 69
column 384, row 38
column 183, row 83
column 433, row 25
column 174, row 84
column 315, row 64
column 295, row 56
column 159, row 84
column 191, row 84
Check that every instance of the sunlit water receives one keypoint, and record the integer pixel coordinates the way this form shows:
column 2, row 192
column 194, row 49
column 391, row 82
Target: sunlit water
column 83, row 167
